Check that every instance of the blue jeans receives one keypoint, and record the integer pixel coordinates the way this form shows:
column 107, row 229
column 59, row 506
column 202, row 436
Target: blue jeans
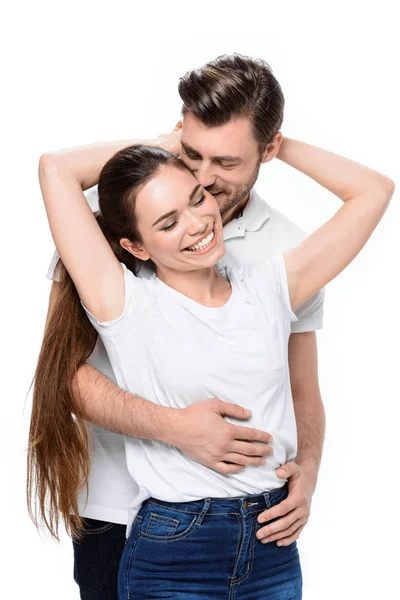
column 96, row 559
column 207, row 549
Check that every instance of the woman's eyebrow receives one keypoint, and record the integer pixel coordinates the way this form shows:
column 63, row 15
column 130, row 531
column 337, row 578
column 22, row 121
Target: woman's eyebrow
column 175, row 212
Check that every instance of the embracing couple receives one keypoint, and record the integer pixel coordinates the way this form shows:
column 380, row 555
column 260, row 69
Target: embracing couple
column 192, row 475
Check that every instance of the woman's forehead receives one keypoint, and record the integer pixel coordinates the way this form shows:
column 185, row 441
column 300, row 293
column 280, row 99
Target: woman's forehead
column 166, row 191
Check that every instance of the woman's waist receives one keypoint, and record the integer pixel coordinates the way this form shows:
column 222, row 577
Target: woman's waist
column 164, row 472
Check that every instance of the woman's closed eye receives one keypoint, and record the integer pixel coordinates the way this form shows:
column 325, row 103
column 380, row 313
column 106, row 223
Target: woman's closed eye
column 200, row 200
column 170, row 226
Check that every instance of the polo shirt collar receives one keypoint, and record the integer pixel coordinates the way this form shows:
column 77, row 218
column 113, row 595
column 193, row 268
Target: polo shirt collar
column 253, row 217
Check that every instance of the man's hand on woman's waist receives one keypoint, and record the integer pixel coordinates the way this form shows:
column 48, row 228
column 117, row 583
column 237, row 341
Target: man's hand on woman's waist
column 202, row 434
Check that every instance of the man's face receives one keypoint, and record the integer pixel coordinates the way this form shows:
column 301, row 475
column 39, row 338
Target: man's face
column 224, row 159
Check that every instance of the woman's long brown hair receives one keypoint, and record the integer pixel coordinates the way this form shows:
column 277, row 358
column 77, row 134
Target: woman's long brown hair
column 58, row 450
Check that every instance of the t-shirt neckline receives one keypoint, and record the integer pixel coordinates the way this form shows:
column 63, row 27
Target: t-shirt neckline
column 193, row 304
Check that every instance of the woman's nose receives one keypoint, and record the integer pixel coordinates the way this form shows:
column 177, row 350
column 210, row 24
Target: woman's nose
column 196, row 225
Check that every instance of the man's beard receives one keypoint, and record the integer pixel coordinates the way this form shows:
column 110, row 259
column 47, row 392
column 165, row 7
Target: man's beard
column 241, row 193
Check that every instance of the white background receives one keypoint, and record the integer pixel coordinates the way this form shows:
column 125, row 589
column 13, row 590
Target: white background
column 79, row 72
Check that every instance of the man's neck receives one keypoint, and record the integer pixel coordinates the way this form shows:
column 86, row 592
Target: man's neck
column 235, row 211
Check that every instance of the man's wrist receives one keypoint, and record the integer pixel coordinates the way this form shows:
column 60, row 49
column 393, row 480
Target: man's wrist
column 171, row 424
column 310, row 468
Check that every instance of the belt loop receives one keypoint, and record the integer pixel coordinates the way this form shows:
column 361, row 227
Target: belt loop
column 206, row 506
column 267, row 500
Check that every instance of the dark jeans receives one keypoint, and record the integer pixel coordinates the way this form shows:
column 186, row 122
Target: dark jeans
column 96, row 560
column 207, row 550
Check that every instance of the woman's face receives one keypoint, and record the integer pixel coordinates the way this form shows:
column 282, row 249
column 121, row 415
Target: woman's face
column 179, row 223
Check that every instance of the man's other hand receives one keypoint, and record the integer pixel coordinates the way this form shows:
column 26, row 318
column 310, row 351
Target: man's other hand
column 292, row 513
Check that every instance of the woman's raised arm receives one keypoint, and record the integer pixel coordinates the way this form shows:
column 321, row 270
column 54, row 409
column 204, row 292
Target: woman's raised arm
column 85, row 252
column 324, row 254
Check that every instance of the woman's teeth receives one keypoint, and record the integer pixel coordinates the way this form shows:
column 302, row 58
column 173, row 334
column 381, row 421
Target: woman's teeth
column 203, row 244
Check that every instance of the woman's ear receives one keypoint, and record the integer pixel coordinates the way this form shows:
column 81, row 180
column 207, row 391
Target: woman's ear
column 135, row 248
column 272, row 148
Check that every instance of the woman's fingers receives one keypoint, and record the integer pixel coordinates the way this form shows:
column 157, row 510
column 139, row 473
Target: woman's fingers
column 177, row 127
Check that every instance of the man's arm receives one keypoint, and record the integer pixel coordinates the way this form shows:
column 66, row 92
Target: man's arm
column 303, row 472
column 199, row 431
column 308, row 405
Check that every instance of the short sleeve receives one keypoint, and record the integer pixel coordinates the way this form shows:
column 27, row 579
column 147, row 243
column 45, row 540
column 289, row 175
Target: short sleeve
column 277, row 265
column 134, row 297
column 269, row 281
column 310, row 314
column 51, row 272
column 92, row 198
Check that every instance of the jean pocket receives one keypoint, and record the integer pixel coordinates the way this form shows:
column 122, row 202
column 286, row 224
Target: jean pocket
column 161, row 526
column 166, row 525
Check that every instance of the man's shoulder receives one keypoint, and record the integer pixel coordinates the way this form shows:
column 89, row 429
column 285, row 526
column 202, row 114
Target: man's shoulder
column 92, row 197
column 280, row 223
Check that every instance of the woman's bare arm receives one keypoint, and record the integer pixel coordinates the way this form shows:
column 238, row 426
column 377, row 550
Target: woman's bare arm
column 324, row 254
column 85, row 252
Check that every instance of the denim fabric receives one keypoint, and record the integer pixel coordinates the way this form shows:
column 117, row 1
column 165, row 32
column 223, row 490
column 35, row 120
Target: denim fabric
column 96, row 559
column 207, row 549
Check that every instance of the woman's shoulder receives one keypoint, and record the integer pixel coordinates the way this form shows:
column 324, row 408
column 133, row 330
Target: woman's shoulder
column 136, row 295
column 142, row 278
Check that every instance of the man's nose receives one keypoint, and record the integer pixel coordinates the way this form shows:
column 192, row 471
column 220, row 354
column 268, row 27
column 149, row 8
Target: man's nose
column 205, row 176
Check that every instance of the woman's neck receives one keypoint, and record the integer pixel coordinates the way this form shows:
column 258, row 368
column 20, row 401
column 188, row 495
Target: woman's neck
column 205, row 286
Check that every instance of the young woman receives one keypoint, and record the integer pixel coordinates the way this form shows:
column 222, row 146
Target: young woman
column 188, row 331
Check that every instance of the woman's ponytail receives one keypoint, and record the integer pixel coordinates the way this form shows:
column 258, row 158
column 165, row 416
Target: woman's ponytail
column 58, row 451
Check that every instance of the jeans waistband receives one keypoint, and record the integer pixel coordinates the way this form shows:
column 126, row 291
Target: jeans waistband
column 233, row 505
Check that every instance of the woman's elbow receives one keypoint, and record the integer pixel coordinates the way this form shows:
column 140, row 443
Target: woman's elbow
column 388, row 186
column 380, row 193
column 47, row 163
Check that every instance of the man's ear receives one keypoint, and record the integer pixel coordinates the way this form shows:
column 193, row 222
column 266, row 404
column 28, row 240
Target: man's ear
column 272, row 148
column 135, row 248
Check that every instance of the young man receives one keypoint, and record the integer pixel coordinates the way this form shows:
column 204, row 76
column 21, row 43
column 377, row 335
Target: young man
column 232, row 111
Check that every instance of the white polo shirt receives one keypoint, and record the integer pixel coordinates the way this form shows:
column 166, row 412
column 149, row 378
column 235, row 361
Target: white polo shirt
column 258, row 234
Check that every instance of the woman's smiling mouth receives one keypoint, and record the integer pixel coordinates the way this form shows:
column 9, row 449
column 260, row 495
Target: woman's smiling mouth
column 202, row 247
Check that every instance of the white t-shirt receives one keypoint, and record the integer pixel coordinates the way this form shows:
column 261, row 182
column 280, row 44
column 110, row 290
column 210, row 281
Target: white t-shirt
column 172, row 350
column 258, row 234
